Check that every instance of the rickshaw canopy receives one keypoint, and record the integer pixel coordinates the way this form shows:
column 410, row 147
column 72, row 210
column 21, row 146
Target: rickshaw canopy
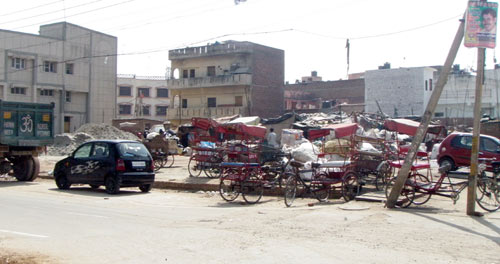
column 242, row 129
column 409, row 127
column 204, row 123
column 341, row 130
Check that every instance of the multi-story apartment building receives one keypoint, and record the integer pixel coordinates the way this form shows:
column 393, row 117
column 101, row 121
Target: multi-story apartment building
column 71, row 66
column 398, row 92
column 224, row 79
column 142, row 97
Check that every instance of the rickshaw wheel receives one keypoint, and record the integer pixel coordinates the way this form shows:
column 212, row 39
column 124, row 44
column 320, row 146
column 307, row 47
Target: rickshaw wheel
column 321, row 192
column 421, row 197
column 212, row 172
column 168, row 161
column 192, row 167
column 406, row 196
column 488, row 192
column 158, row 164
column 350, row 186
column 290, row 190
column 252, row 189
column 384, row 174
column 227, row 190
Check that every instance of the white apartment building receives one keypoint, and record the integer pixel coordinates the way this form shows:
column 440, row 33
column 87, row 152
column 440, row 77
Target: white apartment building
column 399, row 92
column 71, row 66
column 456, row 104
column 142, row 97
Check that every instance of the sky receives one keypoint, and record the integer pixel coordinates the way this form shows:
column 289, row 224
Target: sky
column 312, row 33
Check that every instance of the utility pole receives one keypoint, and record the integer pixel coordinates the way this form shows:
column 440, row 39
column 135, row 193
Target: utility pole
column 429, row 112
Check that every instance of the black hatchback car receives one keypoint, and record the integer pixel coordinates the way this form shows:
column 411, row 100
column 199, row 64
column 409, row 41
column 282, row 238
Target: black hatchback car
column 112, row 163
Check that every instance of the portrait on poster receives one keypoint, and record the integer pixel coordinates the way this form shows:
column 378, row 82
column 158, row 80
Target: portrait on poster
column 481, row 25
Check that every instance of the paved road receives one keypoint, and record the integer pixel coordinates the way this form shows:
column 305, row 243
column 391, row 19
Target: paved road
column 88, row 226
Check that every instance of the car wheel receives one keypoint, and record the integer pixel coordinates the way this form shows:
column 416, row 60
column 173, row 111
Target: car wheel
column 112, row 185
column 62, row 181
column 94, row 186
column 145, row 188
column 448, row 163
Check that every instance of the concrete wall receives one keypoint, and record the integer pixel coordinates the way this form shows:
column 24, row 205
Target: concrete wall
column 92, row 84
column 267, row 91
column 399, row 92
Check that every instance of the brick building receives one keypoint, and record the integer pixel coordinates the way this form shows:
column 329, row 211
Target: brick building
column 324, row 95
column 224, row 79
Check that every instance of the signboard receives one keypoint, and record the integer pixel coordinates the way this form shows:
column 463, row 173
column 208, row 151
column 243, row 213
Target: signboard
column 481, row 25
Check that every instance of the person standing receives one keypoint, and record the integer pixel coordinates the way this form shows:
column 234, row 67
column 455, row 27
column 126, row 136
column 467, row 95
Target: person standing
column 271, row 139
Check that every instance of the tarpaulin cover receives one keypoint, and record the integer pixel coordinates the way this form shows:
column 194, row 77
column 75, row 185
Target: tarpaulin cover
column 409, row 127
column 242, row 129
column 341, row 130
column 204, row 123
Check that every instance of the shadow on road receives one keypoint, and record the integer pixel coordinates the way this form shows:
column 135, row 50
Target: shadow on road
column 101, row 192
column 495, row 239
column 14, row 182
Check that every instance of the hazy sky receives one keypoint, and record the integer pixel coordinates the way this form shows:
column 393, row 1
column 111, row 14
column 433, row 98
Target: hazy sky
column 312, row 33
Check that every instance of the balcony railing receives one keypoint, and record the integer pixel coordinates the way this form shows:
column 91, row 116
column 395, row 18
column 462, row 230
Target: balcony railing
column 202, row 82
column 211, row 112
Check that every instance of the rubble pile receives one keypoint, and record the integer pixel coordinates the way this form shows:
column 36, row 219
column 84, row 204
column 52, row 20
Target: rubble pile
column 65, row 144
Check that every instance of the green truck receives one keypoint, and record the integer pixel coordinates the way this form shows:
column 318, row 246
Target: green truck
column 26, row 129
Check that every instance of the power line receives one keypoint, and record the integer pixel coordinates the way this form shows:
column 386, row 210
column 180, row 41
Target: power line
column 77, row 14
column 28, row 9
column 51, row 12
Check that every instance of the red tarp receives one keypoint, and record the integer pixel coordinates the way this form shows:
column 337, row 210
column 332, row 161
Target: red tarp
column 204, row 123
column 409, row 127
column 341, row 130
column 244, row 130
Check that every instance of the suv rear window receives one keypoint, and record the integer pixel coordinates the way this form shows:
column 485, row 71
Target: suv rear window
column 132, row 149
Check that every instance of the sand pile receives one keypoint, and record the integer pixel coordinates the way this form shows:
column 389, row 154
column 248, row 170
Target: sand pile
column 65, row 144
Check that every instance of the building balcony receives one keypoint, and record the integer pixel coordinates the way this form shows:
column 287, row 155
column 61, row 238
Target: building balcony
column 210, row 50
column 209, row 112
column 203, row 82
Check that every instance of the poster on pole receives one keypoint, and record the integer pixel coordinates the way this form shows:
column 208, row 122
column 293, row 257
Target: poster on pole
column 481, row 25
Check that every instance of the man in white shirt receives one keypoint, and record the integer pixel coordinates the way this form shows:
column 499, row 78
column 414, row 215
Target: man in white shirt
column 271, row 138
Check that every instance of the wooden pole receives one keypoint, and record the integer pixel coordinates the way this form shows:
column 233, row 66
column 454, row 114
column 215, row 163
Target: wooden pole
column 471, row 189
column 429, row 112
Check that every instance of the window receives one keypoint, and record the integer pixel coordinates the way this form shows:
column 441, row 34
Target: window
column 211, row 102
column 184, row 103
column 125, row 91
column 143, row 92
column 18, row 63
column 68, row 97
column 83, row 151
column 465, row 142
column 101, row 150
column 426, row 85
column 488, row 145
column 50, row 66
column 124, row 109
column 184, row 73
column 430, row 84
column 145, row 110
column 161, row 110
column 438, row 114
column 18, row 90
column 162, row 92
column 211, row 71
column 69, row 68
column 238, row 101
column 46, row 92
column 191, row 73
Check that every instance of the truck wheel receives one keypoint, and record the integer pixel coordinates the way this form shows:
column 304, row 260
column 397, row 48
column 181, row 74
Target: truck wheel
column 36, row 168
column 23, row 168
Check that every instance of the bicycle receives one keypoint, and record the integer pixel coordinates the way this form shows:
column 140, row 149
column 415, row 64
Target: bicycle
column 418, row 189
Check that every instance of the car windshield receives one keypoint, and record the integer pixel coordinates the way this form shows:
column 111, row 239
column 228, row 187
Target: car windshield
column 132, row 149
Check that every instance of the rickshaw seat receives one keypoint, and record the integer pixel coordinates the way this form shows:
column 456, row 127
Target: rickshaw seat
column 239, row 164
column 336, row 163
